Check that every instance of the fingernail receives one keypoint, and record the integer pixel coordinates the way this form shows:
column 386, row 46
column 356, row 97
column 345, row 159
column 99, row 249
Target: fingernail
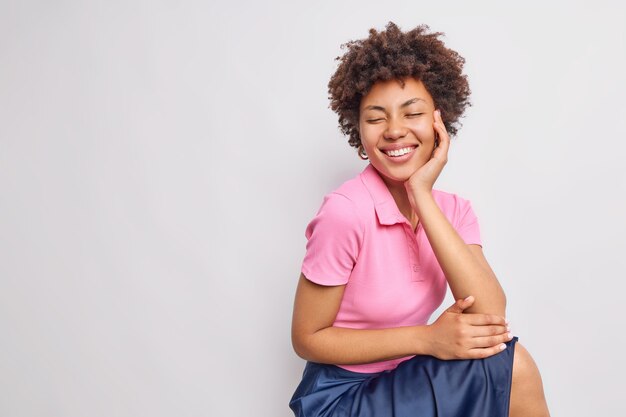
column 510, row 335
column 508, row 328
column 502, row 346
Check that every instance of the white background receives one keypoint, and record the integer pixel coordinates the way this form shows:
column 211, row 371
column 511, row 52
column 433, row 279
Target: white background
column 159, row 162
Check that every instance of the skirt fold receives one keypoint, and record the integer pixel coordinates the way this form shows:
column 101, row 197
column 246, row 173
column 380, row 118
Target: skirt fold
column 422, row 386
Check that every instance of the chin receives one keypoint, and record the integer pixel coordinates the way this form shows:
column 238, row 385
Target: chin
column 399, row 175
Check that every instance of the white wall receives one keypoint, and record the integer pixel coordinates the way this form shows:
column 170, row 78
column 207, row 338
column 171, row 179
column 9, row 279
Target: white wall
column 159, row 162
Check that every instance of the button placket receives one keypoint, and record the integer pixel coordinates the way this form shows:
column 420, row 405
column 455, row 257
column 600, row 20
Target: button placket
column 413, row 254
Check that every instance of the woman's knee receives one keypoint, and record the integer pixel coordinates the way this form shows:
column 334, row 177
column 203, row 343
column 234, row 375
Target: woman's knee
column 527, row 396
column 524, row 367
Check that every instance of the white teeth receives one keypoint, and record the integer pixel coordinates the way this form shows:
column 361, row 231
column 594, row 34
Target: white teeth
column 399, row 152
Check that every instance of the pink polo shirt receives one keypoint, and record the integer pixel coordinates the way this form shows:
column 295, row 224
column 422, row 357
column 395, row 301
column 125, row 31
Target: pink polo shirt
column 359, row 238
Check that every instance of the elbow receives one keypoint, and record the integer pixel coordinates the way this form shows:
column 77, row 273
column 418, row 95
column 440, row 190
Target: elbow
column 498, row 305
column 497, row 299
column 503, row 305
column 301, row 346
column 298, row 348
column 503, row 301
column 309, row 346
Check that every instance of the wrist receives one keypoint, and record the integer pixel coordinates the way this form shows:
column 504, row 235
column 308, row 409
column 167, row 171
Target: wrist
column 421, row 199
column 423, row 340
column 415, row 187
column 418, row 187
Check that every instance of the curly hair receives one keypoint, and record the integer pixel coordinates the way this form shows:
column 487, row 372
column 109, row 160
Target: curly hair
column 393, row 54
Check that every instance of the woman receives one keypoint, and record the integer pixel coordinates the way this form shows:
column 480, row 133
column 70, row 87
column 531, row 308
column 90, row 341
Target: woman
column 384, row 247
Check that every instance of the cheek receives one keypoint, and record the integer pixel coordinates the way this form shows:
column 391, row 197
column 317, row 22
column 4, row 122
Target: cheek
column 425, row 131
column 368, row 134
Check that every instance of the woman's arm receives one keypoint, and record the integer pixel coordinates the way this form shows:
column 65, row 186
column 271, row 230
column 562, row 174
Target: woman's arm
column 465, row 266
column 314, row 337
column 452, row 336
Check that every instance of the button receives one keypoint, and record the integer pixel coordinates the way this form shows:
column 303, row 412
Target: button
column 416, row 268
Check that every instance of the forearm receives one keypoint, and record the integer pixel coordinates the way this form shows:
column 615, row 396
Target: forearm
column 337, row 345
column 463, row 271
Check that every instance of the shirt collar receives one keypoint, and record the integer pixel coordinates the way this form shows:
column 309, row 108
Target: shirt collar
column 384, row 204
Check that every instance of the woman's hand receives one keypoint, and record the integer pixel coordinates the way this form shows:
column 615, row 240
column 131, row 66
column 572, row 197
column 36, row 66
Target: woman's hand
column 455, row 335
column 424, row 178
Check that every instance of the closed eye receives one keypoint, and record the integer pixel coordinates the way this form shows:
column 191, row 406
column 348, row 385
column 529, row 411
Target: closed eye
column 374, row 120
column 414, row 114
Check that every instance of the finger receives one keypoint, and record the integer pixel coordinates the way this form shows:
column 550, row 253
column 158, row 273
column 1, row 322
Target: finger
column 490, row 330
column 478, row 319
column 440, row 127
column 461, row 304
column 490, row 341
column 481, row 353
column 439, row 120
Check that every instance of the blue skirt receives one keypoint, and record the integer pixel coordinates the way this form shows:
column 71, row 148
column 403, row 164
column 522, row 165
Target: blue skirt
column 422, row 386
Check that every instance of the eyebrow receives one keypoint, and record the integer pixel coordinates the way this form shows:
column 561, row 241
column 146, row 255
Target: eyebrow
column 406, row 103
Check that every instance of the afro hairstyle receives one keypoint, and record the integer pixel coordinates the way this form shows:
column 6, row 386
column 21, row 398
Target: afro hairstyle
column 393, row 54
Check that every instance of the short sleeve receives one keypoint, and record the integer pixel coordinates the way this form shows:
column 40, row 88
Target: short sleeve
column 468, row 227
column 334, row 238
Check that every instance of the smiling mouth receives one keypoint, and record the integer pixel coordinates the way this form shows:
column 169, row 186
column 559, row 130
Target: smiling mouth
column 399, row 152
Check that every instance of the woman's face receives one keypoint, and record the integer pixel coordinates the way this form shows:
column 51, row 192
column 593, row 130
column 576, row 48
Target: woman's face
column 396, row 127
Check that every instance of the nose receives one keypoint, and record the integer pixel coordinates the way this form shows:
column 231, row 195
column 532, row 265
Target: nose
column 395, row 130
